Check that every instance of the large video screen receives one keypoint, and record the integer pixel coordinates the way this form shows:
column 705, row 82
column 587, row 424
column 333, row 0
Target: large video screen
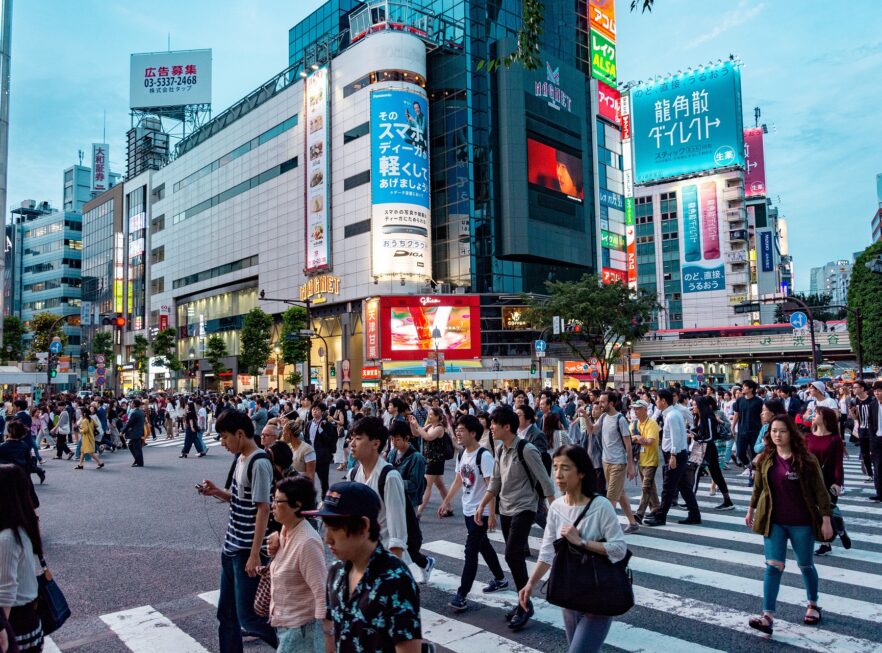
column 410, row 321
column 555, row 170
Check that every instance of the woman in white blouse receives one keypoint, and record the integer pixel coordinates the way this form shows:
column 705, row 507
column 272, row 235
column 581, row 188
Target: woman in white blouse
column 598, row 532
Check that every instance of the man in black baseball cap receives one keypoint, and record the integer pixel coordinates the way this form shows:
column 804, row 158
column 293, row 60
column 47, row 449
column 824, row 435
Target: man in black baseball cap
column 357, row 621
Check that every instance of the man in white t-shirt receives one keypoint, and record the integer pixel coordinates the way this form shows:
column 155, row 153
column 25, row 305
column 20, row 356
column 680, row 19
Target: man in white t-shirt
column 474, row 467
column 817, row 392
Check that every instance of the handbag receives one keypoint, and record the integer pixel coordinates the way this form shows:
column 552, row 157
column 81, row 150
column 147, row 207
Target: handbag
column 696, row 455
column 52, row 607
column 585, row 581
column 262, row 595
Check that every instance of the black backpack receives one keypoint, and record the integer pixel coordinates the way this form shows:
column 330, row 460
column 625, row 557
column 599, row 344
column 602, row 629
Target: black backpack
column 535, row 483
column 481, row 452
column 414, row 534
column 258, row 456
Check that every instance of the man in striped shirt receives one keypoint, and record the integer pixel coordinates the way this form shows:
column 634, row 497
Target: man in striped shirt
column 244, row 545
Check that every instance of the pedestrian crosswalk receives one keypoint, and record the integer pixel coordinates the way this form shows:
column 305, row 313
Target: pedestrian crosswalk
column 161, row 442
column 695, row 589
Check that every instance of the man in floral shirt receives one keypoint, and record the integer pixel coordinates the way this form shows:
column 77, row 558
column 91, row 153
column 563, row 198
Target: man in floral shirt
column 373, row 601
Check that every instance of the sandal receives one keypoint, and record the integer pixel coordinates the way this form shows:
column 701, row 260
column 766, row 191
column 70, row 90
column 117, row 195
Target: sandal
column 78, row 467
column 762, row 624
column 810, row 619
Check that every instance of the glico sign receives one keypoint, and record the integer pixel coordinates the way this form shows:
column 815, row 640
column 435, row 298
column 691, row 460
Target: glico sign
column 550, row 89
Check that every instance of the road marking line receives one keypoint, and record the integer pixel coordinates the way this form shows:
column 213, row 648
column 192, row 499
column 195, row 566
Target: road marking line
column 463, row 637
column 145, row 630
column 49, row 646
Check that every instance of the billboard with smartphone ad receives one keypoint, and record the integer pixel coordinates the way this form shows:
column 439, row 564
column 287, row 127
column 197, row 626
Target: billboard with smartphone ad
column 408, row 322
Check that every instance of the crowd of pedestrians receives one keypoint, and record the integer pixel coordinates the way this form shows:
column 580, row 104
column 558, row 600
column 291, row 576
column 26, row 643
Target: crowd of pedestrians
column 355, row 472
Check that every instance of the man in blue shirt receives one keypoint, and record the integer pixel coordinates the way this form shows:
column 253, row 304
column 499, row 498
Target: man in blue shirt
column 675, row 448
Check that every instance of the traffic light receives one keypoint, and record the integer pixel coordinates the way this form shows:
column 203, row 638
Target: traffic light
column 333, row 369
column 532, row 367
column 119, row 322
column 52, row 365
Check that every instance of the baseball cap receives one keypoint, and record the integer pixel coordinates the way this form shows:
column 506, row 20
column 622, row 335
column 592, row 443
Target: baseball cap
column 640, row 403
column 348, row 499
column 819, row 386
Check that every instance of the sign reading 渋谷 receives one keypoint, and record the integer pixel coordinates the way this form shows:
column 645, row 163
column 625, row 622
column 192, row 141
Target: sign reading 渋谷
column 318, row 241
column 603, row 58
column 170, row 79
column 688, row 123
column 550, row 89
column 400, row 218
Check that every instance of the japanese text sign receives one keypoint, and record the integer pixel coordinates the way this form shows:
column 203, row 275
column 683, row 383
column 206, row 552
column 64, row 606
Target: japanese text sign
column 754, row 163
column 603, row 58
column 766, row 257
column 701, row 238
column 318, row 242
column 602, row 17
column 100, row 167
column 609, row 103
column 688, row 123
column 170, row 79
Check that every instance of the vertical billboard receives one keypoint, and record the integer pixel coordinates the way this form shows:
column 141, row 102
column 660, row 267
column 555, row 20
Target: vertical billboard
column 754, row 163
column 688, row 123
column 100, row 160
column 372, row 329
column 609, row 103
column 602, row 17
column 318, row 238
column 603, row 58
column 766, row 257
column 408, row 323
column 628, row 178
column 703, row 268
column 170, row 79
column 400, row 218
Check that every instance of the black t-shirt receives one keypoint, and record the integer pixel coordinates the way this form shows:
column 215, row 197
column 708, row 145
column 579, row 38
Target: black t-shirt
column 749, row 422
column 863, row 415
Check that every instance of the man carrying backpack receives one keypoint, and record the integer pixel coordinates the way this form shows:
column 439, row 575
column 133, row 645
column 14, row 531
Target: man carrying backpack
column 399, row 528
column 474, row 467
column 618, row 459
column 517, row 473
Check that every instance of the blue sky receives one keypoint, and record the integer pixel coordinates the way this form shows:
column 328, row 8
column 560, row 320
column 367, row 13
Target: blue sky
column 813, row 69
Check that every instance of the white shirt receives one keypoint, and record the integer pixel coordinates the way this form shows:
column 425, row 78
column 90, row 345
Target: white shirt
column 600, row 522
column 474, row 484
column 674, row 431
column 201, row 418
column 392, row 519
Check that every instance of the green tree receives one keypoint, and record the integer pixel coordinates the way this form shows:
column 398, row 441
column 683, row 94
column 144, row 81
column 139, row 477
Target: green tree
column 102, row 343
column 13, row 332
column 41, row 326
column 599, row 318
column 215, row 350
column 255, row 341
column 865, row 294
column 294, row 346
column 165, row 353
column 140, row 356
column 818, row 302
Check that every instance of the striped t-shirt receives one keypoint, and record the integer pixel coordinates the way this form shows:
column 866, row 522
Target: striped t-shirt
column 244, row 497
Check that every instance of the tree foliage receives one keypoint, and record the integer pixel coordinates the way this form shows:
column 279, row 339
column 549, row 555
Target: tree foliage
column 646, row 4
column 818, row 302
column 215, row 350
column 865, row 294
column 165, row 350
column 102, row 343
column 257, row 331
column 41, row 327
column 140, row 357
column 599, row 318
column 13, row 333
column 294, row 346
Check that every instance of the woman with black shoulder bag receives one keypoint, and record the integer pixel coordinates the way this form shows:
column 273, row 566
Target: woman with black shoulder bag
column 707, row 432
column 584, row 520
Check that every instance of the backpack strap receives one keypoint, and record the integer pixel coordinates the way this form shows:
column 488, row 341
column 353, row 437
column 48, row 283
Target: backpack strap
column 260, row 455
column 381, row 484
column 521, row 445
column 481, row 452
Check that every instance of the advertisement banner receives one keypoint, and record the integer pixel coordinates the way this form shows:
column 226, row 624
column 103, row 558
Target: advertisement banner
column 612, row 200
column 754, row 163
column 631, row 242
column 611, row 240
column 372, row 329
column 610, row 275
column 317, row 233
column 400, row 218
column 701, row 238
column 169, row 79
column 602, row 17
column 416, row 325
column 766, row 251
column 555, row 170
column 603, row 58
column 100, row 171
column 609, row 103
column 687, row 124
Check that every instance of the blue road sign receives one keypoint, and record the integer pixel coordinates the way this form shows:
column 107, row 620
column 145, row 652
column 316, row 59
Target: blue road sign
column 55, row 347
column 91, row 369
column 798, row 320
column 541, row 345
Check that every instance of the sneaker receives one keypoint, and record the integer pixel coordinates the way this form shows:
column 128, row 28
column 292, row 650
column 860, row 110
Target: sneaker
column 845, row 539
column 713, row 492
column 726, row 505
column 690, row 521
column 427, row 570
column 746, row 472
column 495, row 586
column 638, row 518
column 823, row 550
column 632, row 528
column 458, row 603
column 876, row 499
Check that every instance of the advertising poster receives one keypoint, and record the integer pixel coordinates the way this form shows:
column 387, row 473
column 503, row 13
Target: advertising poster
column 408, row 323
column 687, row 124
column 766, row 257
column 400, row 217
column 631, row 241
column 602, row 17
column 318, row 244
column 701, row 238
column 555, row 170
column 100, row 171
column 372, row 329
column 603, row 58
column 754, row 163
column 610, row 275
column 169, row 79
column 609, row 101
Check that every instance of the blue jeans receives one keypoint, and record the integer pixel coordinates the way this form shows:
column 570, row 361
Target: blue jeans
column 305, row 639
column 585, row 632
column 802, row 538
column 235, row 607
column 32, row 443
column 477, row 542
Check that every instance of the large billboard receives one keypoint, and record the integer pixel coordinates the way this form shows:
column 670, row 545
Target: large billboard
column 603, row 58
column 689, row 123
column 555, row 170
column 703, row 268
column 602, row 17
column 400, row 217
column 169, row 79
column 408, row 322
column 317, row 233
column 754, row 163
column 100, row 167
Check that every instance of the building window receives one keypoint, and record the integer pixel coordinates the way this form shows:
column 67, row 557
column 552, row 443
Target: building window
column 157, row 224
column 357, row 228
column 383, row 76
column 220, row 270
column 157, row 254
column 356, row 132
column 357, row 180
column 157, row 285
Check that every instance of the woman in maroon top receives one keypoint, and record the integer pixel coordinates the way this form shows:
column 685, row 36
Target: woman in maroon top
column 826, row 445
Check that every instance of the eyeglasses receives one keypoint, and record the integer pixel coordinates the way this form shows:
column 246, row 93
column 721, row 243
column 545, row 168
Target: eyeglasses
column 278, row 500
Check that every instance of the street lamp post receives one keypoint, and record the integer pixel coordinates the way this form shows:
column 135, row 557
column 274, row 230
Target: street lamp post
column 630, row 347
column 278, row 352
column 192, row 371
column 436, row 337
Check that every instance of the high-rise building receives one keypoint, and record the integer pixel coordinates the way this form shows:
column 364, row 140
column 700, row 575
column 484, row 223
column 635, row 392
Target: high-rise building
column 876, row 225
column 77, row 188
column 832, row 279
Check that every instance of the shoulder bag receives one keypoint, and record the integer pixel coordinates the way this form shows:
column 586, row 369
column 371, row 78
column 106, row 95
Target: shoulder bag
column 264, row 590
column 52, row 607
column 587, row 582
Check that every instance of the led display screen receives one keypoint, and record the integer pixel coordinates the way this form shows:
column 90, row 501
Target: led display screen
column 555, row 170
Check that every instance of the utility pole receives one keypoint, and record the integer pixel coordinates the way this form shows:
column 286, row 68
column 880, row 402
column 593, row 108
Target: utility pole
column 5, row 53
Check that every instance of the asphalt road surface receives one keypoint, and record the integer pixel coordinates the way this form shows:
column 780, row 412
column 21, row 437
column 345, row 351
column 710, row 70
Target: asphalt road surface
column 137, row 553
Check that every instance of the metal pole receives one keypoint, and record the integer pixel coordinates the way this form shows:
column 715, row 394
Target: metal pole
column 859, row 327
column 309, row 388
column 437, row 370
column 5, row 52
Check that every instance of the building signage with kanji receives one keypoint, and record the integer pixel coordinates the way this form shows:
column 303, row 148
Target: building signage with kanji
column 169, row 79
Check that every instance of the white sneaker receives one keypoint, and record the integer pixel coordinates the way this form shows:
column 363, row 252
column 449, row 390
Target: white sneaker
column 746, row 472
column 427, row 572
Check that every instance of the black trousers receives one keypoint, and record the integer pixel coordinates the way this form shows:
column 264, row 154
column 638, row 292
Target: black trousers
column 876, row 456
column 866, row 457
column 323, row 470
column 136, row 449
column 61, row 445
column 677, row 480
column 712, row 458
column 744, row 447
column 516, row 531
column 477, row 542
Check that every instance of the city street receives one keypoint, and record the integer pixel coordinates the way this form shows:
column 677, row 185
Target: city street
column 137, row 553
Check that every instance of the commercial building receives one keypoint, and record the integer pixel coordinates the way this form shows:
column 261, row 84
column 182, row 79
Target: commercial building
column 832, row 279
column 876, row 225
column 393, row 185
